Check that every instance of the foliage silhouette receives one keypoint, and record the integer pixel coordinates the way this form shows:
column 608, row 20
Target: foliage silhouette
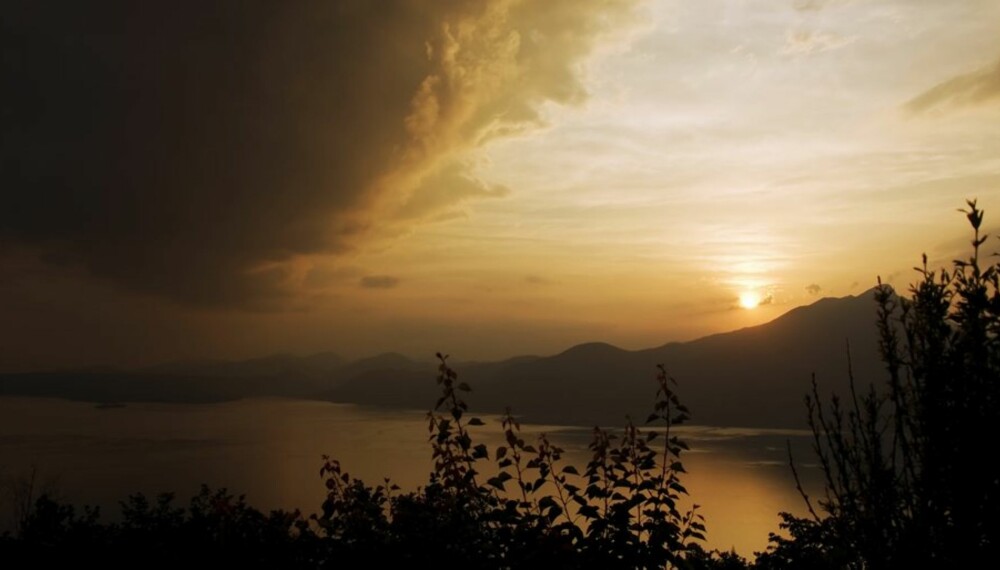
column 621, row 511
column 216, row 528
column 905, row 480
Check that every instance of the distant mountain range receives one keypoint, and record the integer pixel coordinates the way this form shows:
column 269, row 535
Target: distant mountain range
column 753, row 377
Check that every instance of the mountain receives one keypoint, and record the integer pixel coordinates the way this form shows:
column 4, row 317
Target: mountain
column 755, row 377
column 408, row 384
column 320, row 364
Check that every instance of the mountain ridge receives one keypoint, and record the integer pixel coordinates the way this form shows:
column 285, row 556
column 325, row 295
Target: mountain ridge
column 770, row 364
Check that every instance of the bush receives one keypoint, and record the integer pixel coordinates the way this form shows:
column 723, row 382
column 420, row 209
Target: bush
column 216, row 529
column 621, row 511
column 906, row 480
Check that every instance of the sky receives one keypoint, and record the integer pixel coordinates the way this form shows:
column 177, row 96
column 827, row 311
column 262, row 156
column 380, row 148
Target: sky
column 488, row 178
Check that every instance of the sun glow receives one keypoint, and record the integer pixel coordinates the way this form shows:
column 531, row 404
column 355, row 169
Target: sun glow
column 749, row 300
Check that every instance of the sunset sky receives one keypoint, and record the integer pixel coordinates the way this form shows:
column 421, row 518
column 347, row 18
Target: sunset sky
column 485, row 178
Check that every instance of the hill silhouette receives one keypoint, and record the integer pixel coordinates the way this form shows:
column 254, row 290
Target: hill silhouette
column 753, row 377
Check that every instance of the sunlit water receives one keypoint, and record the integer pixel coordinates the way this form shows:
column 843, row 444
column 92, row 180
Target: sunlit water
column 270, row 449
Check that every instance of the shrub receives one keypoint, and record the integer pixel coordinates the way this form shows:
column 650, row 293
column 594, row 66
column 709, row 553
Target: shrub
column 621, row 511
column 906, row 483
column 216, row 529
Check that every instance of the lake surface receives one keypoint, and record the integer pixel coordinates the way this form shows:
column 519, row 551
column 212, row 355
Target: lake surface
column 270, row 450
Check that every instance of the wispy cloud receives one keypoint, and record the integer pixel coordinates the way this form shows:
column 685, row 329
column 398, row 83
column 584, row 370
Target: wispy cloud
column 804, row 42
column 979, row 87
column 817, row 5
column 379, row 282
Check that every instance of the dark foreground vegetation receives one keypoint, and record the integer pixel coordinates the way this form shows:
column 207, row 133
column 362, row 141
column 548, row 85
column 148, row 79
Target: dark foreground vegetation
column 906, row 485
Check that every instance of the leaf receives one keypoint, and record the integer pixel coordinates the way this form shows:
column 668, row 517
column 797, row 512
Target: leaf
column 480, row 452
column 571, row 470
column 464, row 387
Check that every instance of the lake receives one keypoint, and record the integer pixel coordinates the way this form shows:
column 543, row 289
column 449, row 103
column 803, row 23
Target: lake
column 270, row 450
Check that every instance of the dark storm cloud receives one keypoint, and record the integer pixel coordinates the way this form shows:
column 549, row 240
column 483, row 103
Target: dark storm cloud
column 174, row 147
column 195, row 150
column 379, row 282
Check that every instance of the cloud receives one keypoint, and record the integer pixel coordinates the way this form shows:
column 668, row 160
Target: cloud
column 817, row 5
column 201, row 151
column 802, row 43
column 769, row 299
column 979, row 87
column 446, row 187
column 813, row 289
column 379, row 282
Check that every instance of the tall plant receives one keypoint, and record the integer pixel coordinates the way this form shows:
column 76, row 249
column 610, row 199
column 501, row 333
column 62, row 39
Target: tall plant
column 907, row 479
column 623, row 510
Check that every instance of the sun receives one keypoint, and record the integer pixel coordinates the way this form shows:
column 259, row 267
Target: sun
column 749, row 300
